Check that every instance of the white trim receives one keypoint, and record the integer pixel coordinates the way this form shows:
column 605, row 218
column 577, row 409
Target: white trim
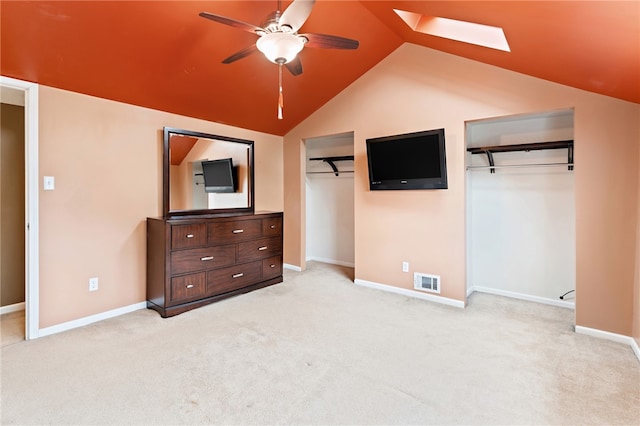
column 594, row 332
column 292, row 267
column 410, row 293
column 32, row 260
column 521, row 296
column 91, row 319
column 614, row 337
column 635, row 347
column 331, row 261
column 16, row 307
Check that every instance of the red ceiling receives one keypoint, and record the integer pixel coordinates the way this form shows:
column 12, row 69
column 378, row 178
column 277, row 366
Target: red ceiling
column 162, row 55
column 180, row 148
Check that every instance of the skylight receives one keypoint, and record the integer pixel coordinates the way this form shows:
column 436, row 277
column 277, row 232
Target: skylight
column 467, row 32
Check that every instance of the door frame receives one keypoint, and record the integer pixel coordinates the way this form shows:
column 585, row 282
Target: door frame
column 32, row 270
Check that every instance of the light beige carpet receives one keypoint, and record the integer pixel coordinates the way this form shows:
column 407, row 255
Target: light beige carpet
column 319, row 350
column 11, row 328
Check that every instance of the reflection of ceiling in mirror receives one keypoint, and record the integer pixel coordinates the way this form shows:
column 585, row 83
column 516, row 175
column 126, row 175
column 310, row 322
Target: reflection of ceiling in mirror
column 180, row 147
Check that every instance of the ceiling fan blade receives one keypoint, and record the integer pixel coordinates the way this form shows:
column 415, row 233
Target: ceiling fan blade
column 294, row 66
column 232, row 22
column 325, row 41
column 241, row 54
column 296, row 14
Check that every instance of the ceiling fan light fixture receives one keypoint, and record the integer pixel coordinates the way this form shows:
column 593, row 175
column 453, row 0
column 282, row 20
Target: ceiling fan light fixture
column 280, row 47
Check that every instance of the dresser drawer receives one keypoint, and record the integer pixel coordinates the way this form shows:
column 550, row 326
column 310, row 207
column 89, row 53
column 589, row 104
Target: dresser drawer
column 271, row 227
column 188, row 236
column 259, row 249
column 188, row 287
column 271, row 267
column 232, row 231
column 203, row 258
column 233, row 277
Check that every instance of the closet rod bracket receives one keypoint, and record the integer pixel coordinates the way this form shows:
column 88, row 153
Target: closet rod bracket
column 491, row 163
column 333, row 166
column 330, row 161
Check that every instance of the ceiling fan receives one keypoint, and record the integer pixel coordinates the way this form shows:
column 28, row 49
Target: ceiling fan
column 279, row 41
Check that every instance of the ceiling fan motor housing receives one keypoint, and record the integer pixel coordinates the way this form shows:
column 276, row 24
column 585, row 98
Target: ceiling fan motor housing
column 271, row 24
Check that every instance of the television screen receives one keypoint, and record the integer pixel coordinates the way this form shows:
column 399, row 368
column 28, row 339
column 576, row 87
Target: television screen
column 408, row 161
column 218, row 175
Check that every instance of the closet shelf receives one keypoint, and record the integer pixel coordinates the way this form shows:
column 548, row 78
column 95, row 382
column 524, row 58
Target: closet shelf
column 330, row 161
column 490, row 150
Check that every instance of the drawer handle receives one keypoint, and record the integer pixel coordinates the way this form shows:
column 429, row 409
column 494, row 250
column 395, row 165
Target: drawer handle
column 204, row 259
column 262, row 248
column 238, row 231
column 273, row 227
column 272, row 265
column 189, row 235
column 238, row 275
column 190, row 286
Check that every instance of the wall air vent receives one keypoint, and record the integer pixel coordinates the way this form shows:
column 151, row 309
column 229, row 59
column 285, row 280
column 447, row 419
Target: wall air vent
column 426, row 282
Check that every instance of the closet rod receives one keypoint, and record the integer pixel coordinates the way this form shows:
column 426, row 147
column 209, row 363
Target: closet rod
column 509, row 166
column 332, row 173
column 330, row 161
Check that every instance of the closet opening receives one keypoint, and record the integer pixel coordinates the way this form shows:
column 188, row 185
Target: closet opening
column 329, row 187
column 521, row 238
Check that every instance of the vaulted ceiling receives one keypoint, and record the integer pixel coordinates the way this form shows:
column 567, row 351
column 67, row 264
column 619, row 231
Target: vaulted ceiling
column 162, row 55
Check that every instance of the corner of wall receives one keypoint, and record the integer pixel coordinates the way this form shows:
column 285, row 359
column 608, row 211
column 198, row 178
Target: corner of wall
column 636, row 282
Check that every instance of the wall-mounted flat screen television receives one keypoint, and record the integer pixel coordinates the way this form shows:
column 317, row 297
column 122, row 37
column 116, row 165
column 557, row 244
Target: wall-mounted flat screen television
column 408, row 161
column 219, row 175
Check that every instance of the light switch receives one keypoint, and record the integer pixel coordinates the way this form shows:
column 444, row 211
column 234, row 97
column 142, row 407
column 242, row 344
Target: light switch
column 49, row 183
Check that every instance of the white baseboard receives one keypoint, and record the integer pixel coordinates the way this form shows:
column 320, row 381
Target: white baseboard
column 12, row 308
column 410, row 293
column 90, row 319
column 332, row 261
column 521, row 296
column 614, row 337
column 636, row 348
column 292, row 267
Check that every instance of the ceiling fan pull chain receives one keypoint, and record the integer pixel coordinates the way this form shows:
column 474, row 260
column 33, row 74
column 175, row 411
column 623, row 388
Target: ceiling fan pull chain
column 280, row 98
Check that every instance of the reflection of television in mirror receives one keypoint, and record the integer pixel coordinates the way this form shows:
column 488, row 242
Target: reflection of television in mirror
column 219, row 176
column 408, row 161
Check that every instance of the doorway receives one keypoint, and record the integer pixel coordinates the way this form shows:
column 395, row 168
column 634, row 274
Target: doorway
column 12, row 225
column 329, row 189
column 16, row 91
column 521, row 207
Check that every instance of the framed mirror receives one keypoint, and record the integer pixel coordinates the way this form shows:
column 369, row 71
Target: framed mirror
column 206, row 174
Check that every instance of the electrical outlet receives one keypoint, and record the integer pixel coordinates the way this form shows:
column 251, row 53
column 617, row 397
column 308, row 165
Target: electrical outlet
column 405, row 266
column 93, row 284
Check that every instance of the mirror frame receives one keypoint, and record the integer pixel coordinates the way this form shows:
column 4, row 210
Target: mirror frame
column 166, row 211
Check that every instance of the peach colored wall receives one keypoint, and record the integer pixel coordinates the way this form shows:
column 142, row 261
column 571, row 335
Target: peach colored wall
column 417, row 88
column 294, row 193
column 179, row 194
column 106, row 158
column 607, row 133
column 636, row 292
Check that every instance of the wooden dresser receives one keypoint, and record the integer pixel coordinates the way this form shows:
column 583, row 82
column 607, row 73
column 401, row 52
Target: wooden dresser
column 194, row 261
